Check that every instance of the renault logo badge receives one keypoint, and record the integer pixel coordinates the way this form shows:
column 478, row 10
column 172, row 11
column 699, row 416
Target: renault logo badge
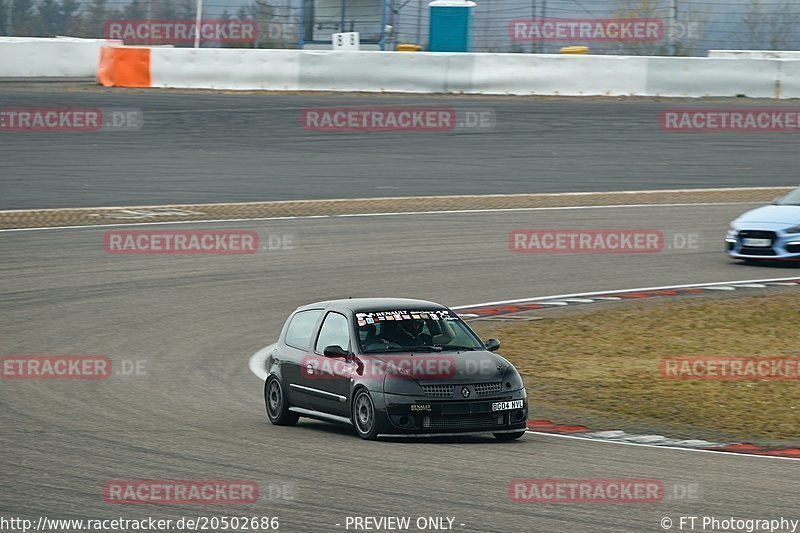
column 465, row 392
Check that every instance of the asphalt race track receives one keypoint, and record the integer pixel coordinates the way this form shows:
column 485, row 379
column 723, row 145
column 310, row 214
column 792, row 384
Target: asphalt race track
column 203, row 147
column 191, row 322
column 197, row 411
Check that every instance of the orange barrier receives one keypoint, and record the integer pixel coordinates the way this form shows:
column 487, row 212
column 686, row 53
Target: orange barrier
column 124, row 67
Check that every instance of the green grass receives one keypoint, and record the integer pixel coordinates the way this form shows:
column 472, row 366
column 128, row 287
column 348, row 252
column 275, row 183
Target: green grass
column 604, row 365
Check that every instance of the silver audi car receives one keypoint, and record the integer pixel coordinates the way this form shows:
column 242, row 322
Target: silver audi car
column 771, row 232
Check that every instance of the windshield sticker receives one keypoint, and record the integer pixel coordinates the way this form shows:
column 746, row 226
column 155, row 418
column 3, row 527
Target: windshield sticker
column 381, row 316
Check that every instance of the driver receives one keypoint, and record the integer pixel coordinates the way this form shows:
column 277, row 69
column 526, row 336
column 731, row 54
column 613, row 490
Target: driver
column 405, row 333
column 410, row 333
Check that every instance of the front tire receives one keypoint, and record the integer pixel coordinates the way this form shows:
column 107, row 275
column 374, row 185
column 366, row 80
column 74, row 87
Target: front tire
column 363, row 415
column 509, row 436
column 277, row 406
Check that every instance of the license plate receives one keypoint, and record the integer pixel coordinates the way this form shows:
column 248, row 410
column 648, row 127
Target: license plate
column 505, row 406
column 758, row 243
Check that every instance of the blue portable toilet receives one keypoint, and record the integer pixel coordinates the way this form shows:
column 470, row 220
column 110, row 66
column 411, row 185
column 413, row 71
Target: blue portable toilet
column 449, row 26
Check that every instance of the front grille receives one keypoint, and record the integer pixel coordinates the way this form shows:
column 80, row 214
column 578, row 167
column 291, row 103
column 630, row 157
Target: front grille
column 757, row 234
column 479, row 421
column 757, row 251
column 438, row 391
column 487, row 389
column 793, row 248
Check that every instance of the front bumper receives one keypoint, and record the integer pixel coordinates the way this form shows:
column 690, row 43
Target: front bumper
column 772, row 244
column 422, row 416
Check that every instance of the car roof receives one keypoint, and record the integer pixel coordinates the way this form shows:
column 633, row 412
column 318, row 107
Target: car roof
column 365, row 305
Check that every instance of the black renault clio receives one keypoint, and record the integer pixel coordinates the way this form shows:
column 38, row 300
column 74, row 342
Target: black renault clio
column 392, row 368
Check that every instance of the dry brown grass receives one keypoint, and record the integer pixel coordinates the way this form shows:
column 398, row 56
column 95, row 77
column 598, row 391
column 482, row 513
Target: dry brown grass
column 604, row 365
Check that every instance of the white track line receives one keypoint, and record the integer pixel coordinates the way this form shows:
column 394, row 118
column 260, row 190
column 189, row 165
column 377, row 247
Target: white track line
column 453, row 196
column 577, row 437
column 257, row 360
column 624, row 291
column 353, row 215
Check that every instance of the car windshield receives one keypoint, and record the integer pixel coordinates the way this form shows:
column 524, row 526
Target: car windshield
column 411, row 330
column 793, row 198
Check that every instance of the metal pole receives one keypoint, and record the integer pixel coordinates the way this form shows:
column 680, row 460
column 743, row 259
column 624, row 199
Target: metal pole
column 544, row 16
column 533, row 15
column 301, row 28
column 419, row 23
column 9, row 16
column 674, row 17
column 198, row 19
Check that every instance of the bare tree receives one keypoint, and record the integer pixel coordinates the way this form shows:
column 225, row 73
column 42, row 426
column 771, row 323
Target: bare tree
column 682, row 27
column 776, row 29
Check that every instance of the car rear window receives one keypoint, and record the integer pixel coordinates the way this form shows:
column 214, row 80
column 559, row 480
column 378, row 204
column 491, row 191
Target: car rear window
column 301, row 327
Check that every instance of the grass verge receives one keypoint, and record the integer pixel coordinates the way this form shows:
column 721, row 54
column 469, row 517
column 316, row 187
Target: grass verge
column 603, row 367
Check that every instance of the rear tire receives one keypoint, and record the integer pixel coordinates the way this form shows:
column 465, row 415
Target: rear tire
column 509, row 436
column 277, row 406
column 363, row 416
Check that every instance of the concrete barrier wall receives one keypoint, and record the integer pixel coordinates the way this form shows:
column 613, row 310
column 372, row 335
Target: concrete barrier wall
column 26, row 57
column 789, row 79
column 701, row 76
column 755, row 54
column 225, row 68
column 565, row 75
column 424, row 72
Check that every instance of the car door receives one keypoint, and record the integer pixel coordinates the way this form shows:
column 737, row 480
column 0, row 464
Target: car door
column 325, row 380
column 295, row 344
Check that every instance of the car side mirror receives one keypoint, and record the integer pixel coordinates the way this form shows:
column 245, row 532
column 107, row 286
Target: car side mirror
column 334, row 351
column 492, row 345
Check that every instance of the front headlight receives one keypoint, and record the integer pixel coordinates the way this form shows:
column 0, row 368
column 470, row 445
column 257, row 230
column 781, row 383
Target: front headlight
column 793, row 229
column 401, row 384
column 512, row 380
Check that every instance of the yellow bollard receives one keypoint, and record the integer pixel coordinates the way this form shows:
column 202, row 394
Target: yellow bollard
column 575, row 50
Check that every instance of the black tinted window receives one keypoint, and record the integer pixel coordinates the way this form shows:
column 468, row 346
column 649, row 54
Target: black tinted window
column 300, row 329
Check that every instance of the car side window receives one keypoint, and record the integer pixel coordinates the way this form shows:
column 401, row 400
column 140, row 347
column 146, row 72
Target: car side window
column 334, row 331
column 301, row 328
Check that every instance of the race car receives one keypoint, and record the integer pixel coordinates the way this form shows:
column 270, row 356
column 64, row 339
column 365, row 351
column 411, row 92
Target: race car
column 771, row 232
column 392, row 368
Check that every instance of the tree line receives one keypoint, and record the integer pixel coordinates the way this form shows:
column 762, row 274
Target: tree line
column 49, row 18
